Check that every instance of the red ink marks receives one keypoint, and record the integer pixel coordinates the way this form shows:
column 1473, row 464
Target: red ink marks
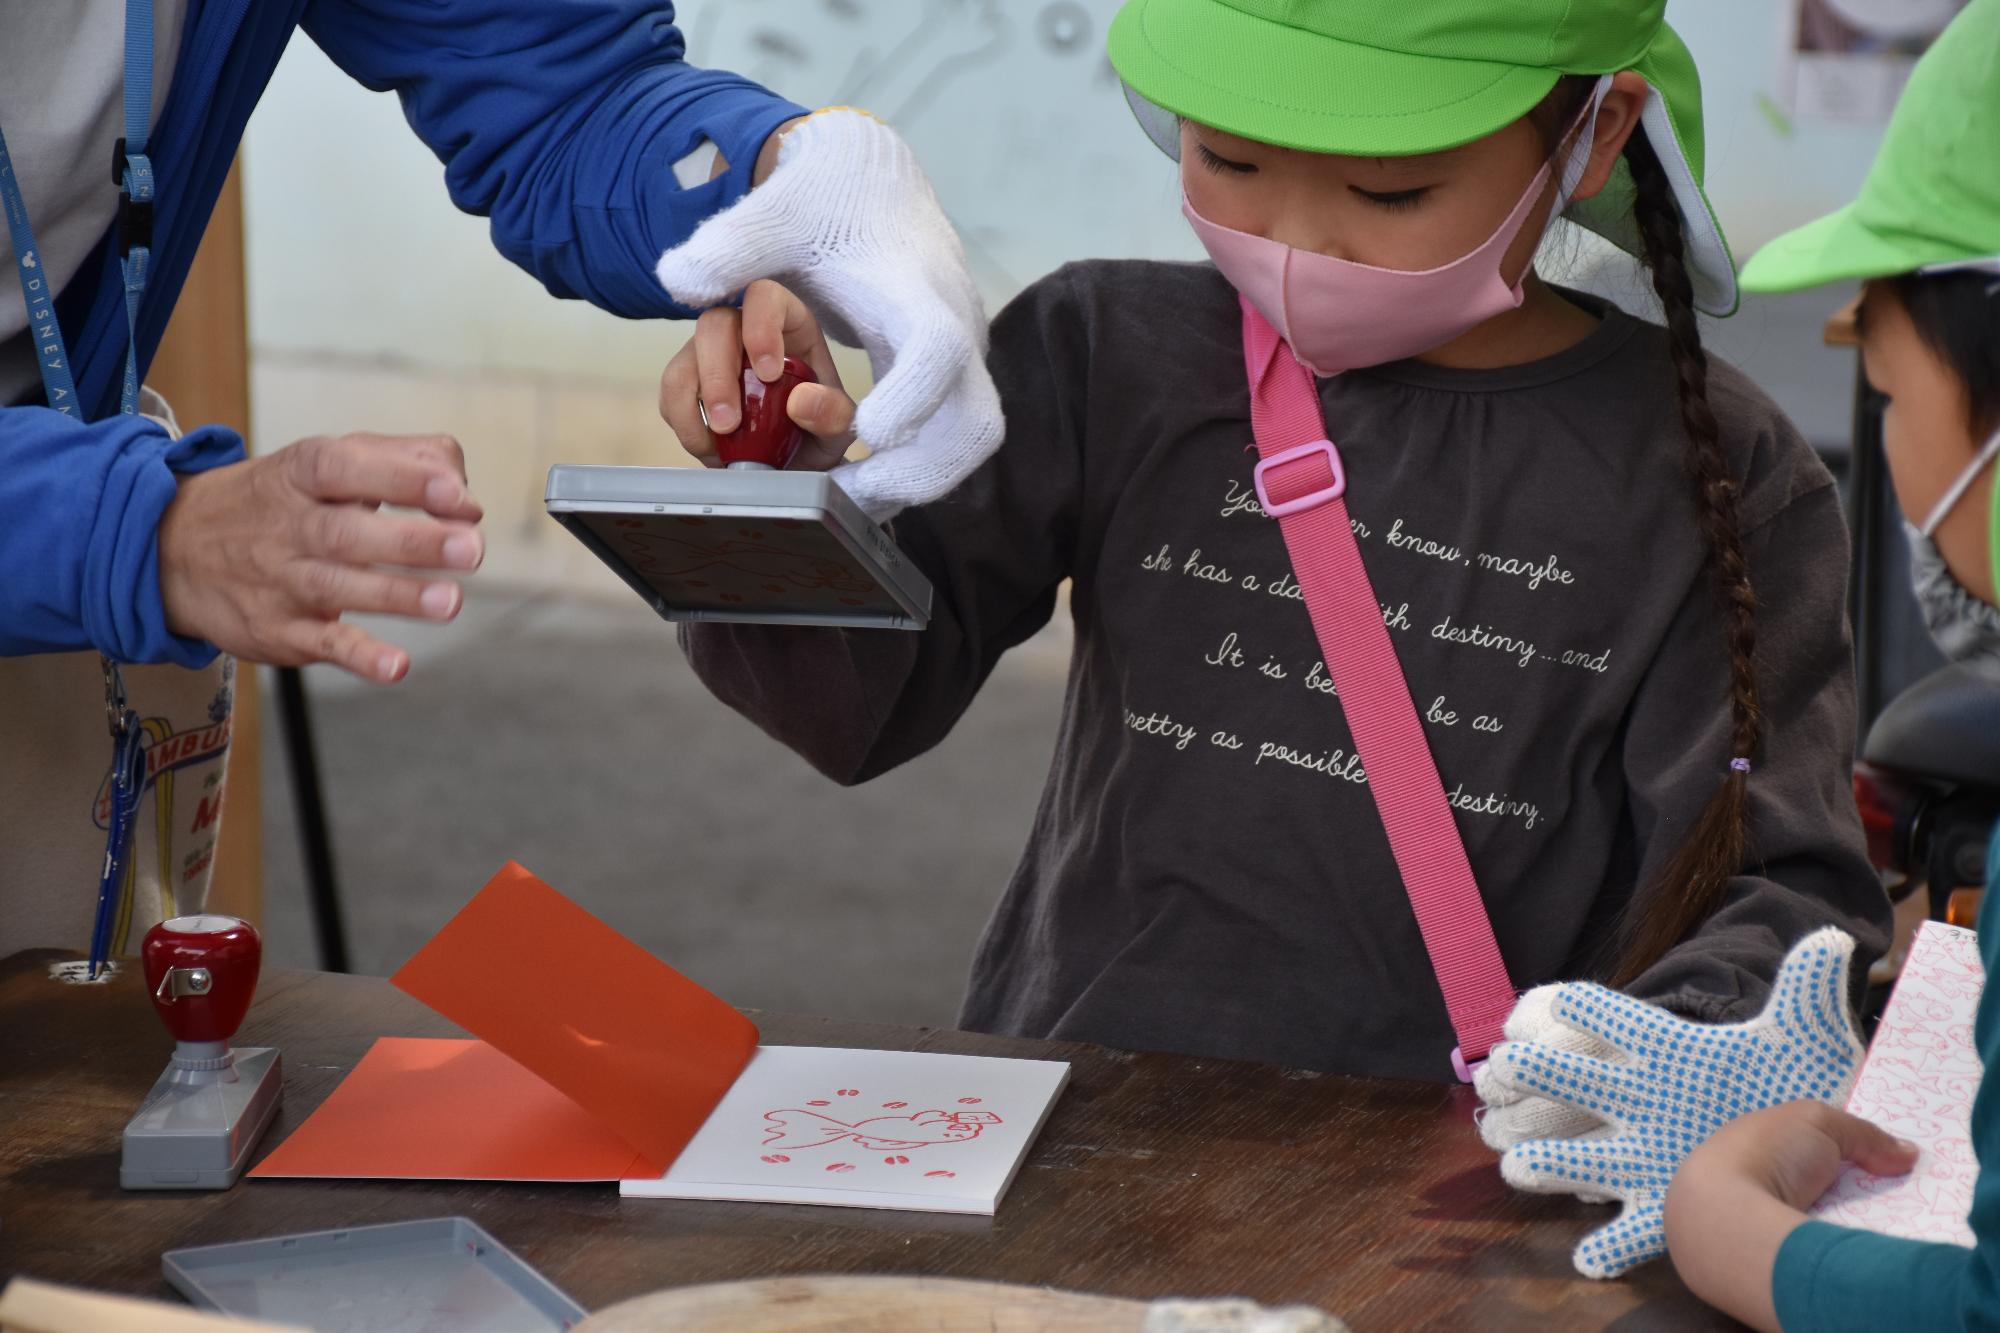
column 799, row 1128
column 840, row 1166
column 969, row 1101
column 897, row 1161
column 819, row 1101
column 776, row 1157
column 631, row 523
column 935, row 1175
column 774, row 587
column 894, row 1106
column 691, row 522
column 697, row 583
column 848, row 1092
column 732, row 597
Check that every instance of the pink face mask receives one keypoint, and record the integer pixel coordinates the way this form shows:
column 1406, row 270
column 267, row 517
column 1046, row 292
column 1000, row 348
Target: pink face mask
column 1338, row 315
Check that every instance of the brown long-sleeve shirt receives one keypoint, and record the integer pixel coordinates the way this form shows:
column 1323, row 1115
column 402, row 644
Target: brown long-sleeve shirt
column 1207, row 872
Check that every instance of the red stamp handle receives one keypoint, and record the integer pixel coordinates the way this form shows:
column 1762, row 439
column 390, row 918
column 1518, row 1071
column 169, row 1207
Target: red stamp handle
column 768, row 436
column 202, row 972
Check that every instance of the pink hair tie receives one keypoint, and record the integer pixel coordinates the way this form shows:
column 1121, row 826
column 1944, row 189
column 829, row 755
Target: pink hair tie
column 1740, row 765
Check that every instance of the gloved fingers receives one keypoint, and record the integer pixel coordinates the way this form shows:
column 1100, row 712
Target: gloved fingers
column 1534, row 1019
column 1637, row 1234
column 744, row 242
column 1809, row 999
column 932, row 355
column 1607, row 1089
column 1524, row 1118
column 949, row 448
column 1495, row 1092
column 1534, row 1015
column 1630, row 1025
column 1566, row 1166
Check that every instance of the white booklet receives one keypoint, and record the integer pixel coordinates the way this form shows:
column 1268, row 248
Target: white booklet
column 1918, row 1083
column 866, row 1129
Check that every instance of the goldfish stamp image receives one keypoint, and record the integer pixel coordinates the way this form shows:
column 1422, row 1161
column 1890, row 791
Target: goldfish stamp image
column 867, row 1129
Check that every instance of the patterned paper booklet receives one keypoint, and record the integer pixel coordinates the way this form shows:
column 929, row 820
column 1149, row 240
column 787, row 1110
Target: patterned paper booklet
column 1918, row 1083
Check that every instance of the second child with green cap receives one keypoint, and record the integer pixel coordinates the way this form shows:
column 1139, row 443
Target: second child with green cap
column 1925, row 238
column 1520, row 657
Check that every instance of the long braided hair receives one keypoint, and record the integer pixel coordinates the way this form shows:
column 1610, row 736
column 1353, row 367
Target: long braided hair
column 1689, row 887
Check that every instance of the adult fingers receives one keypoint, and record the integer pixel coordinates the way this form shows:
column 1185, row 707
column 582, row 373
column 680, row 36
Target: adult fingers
column 334, row 588
column 353, row 535
column 348, row 647
column 728, row 251
column 931, row 352
column 376, row 469
column 446, row 452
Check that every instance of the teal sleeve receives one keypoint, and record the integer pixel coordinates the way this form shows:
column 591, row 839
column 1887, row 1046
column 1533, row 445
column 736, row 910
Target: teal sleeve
column 1829, row 1279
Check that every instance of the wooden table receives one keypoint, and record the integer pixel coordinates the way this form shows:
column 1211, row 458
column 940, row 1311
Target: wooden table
column 1155, row 1176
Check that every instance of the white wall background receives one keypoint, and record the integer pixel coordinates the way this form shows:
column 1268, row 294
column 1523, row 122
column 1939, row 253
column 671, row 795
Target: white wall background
column 355, row 249
column 374, row 303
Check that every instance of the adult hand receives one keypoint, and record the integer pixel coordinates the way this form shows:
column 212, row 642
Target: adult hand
column 262, row 558
column 1739, row 1195
column 848, row 221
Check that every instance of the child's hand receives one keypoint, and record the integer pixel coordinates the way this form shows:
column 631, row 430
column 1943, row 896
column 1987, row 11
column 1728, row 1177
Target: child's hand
column 705, row 378
column 1739, row 1195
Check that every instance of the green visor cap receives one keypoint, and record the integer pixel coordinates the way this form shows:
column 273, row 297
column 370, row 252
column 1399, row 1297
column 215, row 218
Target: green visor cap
column 1377, row 78
column 1932, row 199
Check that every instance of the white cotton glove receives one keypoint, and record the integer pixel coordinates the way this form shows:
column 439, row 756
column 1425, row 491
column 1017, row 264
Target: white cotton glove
column 1672, row 1083
column 1510, row 1115
column 849, row 222
column 1176, row 1316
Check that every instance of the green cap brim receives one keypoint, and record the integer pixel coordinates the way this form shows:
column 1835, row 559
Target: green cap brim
column 1839, row 248
column 1281, row 85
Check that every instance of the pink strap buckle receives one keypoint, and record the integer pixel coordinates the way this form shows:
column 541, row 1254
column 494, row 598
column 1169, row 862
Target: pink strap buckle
column 1312, row 499
column 1464, row 1071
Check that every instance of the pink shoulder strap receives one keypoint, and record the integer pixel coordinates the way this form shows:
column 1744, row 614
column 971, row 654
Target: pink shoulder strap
column 1300, row 483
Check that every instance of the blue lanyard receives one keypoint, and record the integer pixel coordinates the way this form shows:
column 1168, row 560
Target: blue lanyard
column 132, row 170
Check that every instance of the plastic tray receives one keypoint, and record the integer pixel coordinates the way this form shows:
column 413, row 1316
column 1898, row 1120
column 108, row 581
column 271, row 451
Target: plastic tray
column 446, row 1273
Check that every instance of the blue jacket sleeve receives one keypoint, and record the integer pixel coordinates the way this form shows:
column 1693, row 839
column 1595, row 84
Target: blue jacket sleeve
column 80, row 508
column 561, row 121
column 1832, row 1279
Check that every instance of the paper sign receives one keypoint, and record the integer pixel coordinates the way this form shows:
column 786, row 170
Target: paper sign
column 624, row 1036
column 867, row 1129
column 419, row 1108
column 1918, row 1083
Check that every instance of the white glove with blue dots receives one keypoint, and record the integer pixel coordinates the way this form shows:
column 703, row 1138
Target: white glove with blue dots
column 1668, row 1084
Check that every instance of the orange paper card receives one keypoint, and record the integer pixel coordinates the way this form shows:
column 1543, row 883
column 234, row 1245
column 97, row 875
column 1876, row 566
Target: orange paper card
column 418, row 1108
column 634, row 1043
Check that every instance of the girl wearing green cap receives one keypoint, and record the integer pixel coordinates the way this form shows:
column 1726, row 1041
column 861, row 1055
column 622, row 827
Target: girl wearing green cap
column 1607, row 570
column 1925, row 235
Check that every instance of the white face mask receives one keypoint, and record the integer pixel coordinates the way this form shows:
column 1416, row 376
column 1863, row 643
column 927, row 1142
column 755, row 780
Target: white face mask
column 1964, row 626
